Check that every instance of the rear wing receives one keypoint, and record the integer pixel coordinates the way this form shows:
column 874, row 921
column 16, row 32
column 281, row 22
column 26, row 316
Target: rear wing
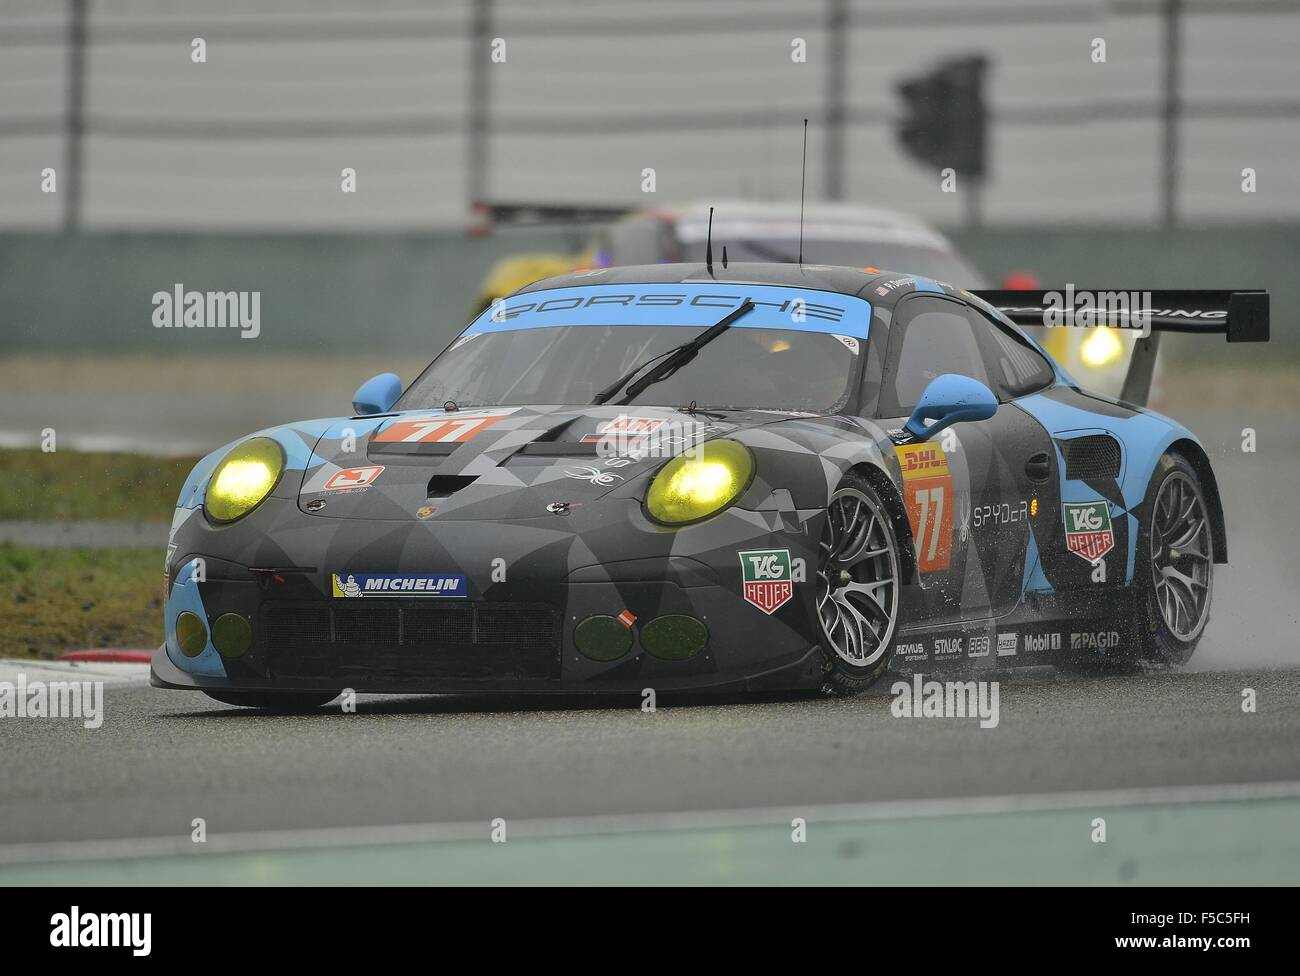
column 1241, row 316
column 485, row 215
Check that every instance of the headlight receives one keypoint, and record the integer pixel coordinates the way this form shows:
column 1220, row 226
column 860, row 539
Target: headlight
column 243, row 479
column 700, row 483
column 1103, row 346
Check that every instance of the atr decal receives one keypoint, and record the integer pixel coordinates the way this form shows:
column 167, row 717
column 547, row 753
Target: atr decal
column 1088, row 532
column 368, row 584
column 443, row 428
column 766, row 576
column 927, row 496
column 350, row 478
column 625, row 426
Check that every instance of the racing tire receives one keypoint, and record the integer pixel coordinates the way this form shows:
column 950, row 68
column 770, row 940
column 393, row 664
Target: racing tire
column 858, row 592
column 273, row 701
column 1175, row 565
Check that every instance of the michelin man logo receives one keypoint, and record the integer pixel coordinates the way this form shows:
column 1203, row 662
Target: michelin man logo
column 350, row 588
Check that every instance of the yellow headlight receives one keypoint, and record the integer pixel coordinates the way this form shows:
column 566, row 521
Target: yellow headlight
column 1101, row 347
column 243, row 479
column 698, row 484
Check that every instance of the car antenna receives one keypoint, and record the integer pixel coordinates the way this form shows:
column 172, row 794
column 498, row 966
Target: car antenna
column 803, row 182
column 708, row 246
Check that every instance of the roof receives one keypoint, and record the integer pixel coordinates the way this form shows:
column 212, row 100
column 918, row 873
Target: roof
column 822, row 277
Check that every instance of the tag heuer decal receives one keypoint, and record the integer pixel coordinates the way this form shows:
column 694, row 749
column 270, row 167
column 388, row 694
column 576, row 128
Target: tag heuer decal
column 766, row 576
column 1088, row 532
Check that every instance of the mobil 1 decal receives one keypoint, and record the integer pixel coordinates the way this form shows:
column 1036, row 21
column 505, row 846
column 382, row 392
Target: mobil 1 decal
column 928, row 498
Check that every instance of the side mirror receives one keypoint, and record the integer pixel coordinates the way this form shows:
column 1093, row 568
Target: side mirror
column 377, row 394
column 950, row 399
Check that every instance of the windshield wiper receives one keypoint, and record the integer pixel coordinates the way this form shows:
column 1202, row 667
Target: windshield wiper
column 673, row 359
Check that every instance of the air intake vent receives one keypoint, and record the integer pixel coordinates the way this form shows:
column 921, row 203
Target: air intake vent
column 1094, row 457
column 413, row 640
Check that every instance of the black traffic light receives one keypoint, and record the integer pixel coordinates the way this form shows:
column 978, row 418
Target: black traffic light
column 944, row 119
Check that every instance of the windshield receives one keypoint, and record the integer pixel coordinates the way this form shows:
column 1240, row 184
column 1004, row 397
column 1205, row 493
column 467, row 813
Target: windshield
column 776, row 369
column 566, row 349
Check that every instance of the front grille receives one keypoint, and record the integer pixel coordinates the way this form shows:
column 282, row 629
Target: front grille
column 479, row 640
column 1093, row 457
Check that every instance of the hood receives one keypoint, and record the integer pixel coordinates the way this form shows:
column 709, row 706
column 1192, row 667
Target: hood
column 497, row 462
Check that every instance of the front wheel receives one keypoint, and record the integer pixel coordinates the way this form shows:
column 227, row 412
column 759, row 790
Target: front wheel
column 857, row 587
column 1174, row 587
column 272, row 701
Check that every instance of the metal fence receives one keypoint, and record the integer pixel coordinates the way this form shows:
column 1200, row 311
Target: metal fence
column 435, row 105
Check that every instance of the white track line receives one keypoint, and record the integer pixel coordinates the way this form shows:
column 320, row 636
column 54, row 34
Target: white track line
column 335, row 837
column 110, row 672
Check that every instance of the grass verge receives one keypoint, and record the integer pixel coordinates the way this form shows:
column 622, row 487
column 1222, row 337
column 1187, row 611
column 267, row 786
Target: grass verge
column 72, row 485
column 57, row 600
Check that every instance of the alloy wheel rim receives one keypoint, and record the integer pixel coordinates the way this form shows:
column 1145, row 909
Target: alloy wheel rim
column 1181, row 556
column 857, row 579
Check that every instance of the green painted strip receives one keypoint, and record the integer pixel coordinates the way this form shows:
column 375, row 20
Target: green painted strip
column 1211, row 843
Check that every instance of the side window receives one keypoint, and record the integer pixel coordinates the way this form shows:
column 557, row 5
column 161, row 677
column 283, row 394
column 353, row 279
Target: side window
column 937, row 337
column 1015, row 367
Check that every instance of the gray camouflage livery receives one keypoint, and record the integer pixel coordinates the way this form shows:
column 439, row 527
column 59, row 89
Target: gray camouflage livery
column 508, row 547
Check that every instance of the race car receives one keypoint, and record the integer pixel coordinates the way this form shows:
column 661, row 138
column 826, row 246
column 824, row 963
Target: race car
column 840, row 234
column 683, row 477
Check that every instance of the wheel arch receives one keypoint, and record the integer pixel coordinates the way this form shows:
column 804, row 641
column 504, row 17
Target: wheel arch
column 1200, row 462
column 885, row 487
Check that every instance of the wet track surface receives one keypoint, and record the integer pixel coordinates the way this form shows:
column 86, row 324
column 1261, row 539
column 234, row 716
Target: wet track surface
column 162, row 759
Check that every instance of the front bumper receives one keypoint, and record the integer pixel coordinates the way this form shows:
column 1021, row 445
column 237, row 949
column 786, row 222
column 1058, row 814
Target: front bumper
column 528, row 585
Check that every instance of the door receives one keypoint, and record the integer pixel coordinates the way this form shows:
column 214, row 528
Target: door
column 971, row 491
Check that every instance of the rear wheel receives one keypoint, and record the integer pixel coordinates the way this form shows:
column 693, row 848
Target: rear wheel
column 857, row 587
column 272, row 701
column 1176, row 584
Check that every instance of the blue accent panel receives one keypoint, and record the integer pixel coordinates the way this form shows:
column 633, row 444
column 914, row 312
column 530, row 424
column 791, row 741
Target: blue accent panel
column 696, row 305
column 1033, row 576
column 185, row 596
column 1145, row 436
column 927, row 284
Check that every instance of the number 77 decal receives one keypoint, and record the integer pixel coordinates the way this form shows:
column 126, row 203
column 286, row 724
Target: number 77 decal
column 444, row 427
column 927, row 497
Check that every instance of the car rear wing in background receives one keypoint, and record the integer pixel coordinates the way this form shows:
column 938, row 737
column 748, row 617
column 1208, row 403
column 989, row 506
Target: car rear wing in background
column 485, row 215
column 1240, row 315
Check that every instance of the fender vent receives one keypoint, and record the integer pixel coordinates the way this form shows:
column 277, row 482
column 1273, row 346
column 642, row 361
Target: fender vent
column 1094, row 457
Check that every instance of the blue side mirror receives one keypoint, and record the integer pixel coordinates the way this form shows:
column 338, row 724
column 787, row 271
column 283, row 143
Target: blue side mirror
column 950, row 399
column 377, row 394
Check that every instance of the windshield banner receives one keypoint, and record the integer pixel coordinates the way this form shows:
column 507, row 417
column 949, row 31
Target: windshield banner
column 697, row 305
